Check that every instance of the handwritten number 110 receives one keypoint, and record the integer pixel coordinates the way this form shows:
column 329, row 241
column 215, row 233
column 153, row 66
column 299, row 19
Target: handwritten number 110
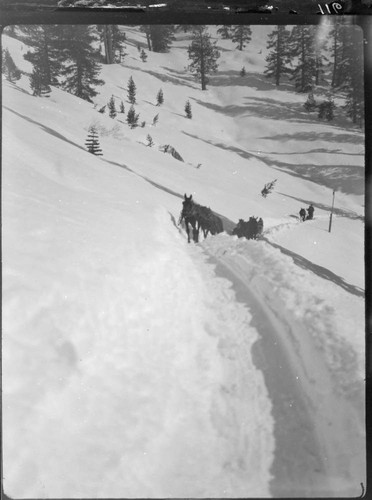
column 337, row 8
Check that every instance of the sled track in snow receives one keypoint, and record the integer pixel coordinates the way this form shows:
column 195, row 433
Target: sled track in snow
column 310, row 458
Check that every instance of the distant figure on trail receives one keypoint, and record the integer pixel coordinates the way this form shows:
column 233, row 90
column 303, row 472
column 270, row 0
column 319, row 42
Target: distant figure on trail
column 302, row 214
column 310, row 212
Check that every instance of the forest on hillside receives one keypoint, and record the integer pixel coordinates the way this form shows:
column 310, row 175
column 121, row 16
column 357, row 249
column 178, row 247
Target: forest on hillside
column 303, row 57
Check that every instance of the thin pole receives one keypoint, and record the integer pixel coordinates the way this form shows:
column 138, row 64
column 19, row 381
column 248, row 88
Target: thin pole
column 330, row 217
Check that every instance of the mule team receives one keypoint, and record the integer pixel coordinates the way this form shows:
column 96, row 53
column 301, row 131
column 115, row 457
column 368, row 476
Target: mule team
column 202, row 218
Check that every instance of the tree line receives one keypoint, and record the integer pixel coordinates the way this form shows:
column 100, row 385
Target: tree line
column 70, row 56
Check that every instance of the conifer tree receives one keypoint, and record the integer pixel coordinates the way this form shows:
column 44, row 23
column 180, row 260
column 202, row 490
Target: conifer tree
column 267, row 189
column 9, row 69
column 302, row 49
column 122, row 108
column 188, row 110
column 225, row 31
column 80, row 69
column 92, row 141
column 131, row 89
column 159, row 37
column 243, row 71
column 113, row 39
column 155, row 120
column 132, row 117
column 277, row 60
column 352, row 75
column 326, row 110
column 47, row 57
column 112, row 107
column 241, row 34
column 310, row 104
column 143, row 55
column 339, row 37
column 38, row 84
column 203, row 55
column 160, row 98
column 150, row 142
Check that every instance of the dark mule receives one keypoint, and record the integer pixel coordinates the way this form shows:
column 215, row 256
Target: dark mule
column 208, row 221
column 199, row 217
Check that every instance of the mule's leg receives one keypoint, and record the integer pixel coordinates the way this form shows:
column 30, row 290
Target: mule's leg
column 195, row 232
column 187, row 231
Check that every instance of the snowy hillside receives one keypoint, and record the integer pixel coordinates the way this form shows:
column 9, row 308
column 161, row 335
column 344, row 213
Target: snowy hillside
column 136, row 365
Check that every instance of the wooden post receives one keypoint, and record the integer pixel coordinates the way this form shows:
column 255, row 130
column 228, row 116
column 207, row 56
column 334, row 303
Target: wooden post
column 330, row 217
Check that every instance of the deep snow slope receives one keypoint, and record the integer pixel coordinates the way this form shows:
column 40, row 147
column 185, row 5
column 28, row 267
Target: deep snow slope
column 127, row 354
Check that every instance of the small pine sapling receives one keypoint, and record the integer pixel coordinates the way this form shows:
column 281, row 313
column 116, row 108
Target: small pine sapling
column 310, row 104
column 188, row 110
column 155, row 120
column 143, row 56
column 111, row 107
column 132, row 117
column 326, row 110
column 143, row 124
column 122, row 108
column 131, row 91
column 268, row 188
column 102, row 110
column 92, row 141
column 150, row 142
column 243, row 71
column 160, row 98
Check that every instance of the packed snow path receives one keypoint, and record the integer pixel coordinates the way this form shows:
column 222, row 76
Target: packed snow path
column 315, row 385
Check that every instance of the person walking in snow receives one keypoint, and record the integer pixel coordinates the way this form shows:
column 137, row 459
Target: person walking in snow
column 302, row 214
column 310, row 212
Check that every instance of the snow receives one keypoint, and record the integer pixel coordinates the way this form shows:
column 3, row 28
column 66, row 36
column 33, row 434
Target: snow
column 128, row 355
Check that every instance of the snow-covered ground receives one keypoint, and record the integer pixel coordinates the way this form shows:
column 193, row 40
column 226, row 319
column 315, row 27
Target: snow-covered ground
column 137, row 365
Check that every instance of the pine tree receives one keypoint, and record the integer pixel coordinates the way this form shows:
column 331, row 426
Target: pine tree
column 80, row 69
column 277, row 60
column 352, row 75
column 155, row 120
column 102, row 110
column 38, row 84
column 310, row 104
column 243, row 71
column 159, row 37
column 143, row 56
column 188, row 110
column 203, row 55
column 326, row 110
column 339, row 37
column 132, row 89
column 302, row 48
column 132, row 117
column 111, row 107
column 122, row 108
column 160, row 98
column 92, row 141
column 225, row 31
column 113, row 39
column 9, row 69
column 150, row 142
column 47, row 55
column 241, row 34
column 267, row 189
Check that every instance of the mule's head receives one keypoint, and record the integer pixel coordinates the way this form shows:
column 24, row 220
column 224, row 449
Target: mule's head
column 187, row 205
